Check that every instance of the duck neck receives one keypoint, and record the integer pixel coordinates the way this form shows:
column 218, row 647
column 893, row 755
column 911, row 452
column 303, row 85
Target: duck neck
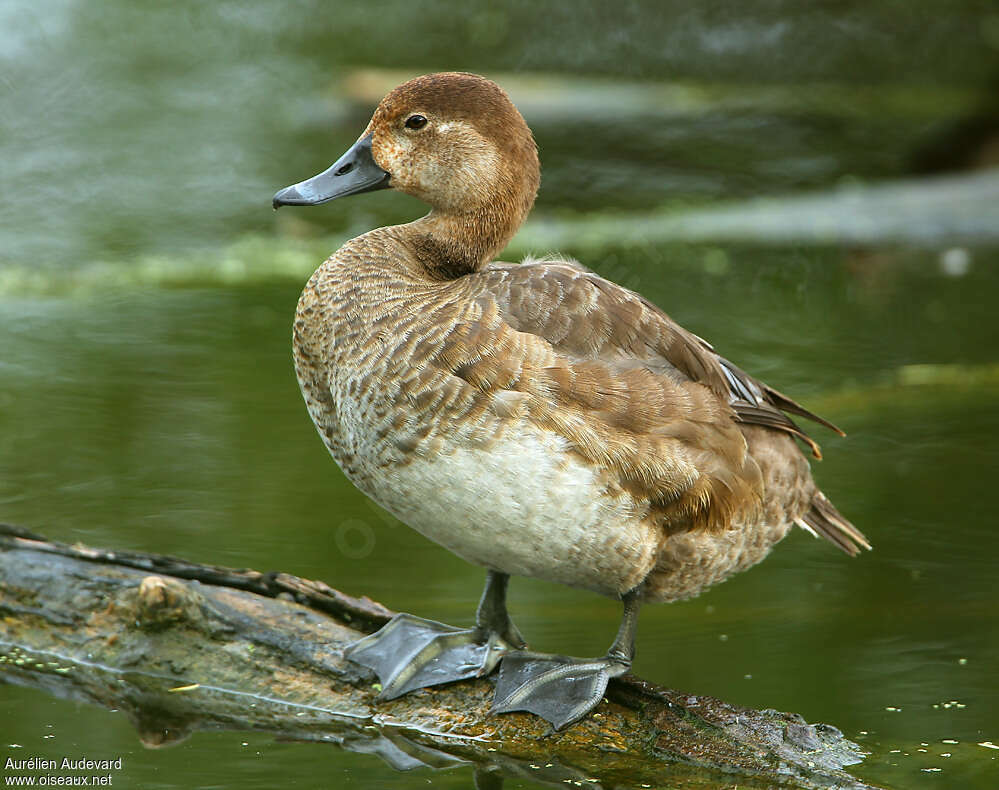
column 450, row 245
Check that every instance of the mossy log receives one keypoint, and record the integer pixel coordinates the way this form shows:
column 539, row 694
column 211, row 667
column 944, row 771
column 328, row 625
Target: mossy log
column 179, row 647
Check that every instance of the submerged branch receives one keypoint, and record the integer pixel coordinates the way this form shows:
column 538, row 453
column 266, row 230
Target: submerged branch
column 180, row 646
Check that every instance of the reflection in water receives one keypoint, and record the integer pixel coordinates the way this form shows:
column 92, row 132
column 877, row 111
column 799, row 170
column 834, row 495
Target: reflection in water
column 158, row 726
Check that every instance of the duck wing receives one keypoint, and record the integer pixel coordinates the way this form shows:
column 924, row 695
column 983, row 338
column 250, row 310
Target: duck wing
column 604, row 375
column 589, row 317
column 650, row 404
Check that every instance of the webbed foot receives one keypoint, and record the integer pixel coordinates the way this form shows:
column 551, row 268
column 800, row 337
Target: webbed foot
column 410, row 653
column 559, row 689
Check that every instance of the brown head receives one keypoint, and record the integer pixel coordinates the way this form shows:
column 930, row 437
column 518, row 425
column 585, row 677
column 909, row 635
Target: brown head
column 455, row 141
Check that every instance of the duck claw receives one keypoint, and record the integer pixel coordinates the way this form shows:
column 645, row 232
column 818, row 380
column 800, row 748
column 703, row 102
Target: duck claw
column 409, row 653
column 559, row 689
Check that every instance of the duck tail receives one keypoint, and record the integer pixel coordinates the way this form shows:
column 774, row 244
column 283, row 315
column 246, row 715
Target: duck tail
column 822, row 519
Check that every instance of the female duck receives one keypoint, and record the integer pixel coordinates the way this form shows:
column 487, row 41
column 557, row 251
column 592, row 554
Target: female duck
column 535, row 419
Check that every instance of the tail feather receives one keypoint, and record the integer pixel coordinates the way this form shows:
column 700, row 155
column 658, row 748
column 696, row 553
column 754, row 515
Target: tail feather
column 823, row 519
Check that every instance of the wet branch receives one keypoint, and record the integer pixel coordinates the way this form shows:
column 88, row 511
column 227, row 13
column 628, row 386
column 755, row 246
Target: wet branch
column 180, row 646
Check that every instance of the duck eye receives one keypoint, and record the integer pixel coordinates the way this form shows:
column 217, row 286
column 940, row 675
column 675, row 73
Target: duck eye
column 416, row 122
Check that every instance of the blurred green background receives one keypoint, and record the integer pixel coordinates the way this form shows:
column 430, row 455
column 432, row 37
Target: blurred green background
column 811, row 187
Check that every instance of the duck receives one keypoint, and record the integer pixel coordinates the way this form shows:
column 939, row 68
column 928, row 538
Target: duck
column 533, row 418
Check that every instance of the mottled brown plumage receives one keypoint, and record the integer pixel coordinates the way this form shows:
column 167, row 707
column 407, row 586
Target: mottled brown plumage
column 594, row 441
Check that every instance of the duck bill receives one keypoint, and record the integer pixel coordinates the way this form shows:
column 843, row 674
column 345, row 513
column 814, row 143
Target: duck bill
column 353, row 173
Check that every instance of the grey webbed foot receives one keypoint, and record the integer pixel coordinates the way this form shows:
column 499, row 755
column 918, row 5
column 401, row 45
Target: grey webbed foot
column 410, row 653
column 559, row 689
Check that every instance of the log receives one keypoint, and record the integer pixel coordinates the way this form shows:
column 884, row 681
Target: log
column 178, row 646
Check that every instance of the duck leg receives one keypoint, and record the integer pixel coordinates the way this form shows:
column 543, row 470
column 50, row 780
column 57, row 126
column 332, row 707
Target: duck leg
column 562, row 689
column 410, row 653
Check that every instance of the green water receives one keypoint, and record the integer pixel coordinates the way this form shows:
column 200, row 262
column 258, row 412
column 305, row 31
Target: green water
column 147, row 399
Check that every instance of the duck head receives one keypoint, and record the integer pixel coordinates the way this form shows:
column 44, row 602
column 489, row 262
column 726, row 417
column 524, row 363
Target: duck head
column 455, row 141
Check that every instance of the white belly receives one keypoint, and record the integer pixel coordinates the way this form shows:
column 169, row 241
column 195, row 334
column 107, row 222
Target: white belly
column 523, row 506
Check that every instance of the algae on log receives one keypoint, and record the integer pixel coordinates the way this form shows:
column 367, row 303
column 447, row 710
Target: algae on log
column 180, row 647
